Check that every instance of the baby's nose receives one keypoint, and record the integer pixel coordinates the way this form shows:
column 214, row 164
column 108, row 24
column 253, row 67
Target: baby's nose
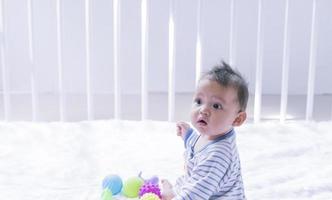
column 204, row 110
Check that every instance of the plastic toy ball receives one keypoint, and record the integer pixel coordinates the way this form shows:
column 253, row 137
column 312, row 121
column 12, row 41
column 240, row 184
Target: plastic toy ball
column 107, row 195
column 148, row 187
column 131, row 187
column 152, row 180
column 113, row 183
column 150, row 196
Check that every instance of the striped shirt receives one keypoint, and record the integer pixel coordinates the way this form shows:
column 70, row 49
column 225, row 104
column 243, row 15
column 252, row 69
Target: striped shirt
column 214, row 172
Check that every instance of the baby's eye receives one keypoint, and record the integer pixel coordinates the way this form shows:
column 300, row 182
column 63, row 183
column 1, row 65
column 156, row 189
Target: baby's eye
column 197, row 101
column 217, row 106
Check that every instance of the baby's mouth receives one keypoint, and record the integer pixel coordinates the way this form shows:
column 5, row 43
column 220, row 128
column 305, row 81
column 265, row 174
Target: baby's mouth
column 201, row 122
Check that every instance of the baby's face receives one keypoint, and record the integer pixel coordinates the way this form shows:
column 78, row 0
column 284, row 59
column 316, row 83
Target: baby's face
column 214, row 108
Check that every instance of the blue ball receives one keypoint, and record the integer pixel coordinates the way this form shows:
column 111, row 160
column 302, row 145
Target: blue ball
column 113, row 183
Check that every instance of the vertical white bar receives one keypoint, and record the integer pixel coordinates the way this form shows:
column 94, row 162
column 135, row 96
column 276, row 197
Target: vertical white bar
column 259, row 67
column 62, row 111
column 6, row 95
column 232, row 34
column 34, row 98
column 331, row 113
column 171, row 59
column 144, row 59
column 285, row 66
column 198, row 43
column 116, row 56
column 89, row 96
column 312, row 64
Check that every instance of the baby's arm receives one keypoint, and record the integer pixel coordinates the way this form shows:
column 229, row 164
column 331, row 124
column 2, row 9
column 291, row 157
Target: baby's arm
column 181, row 129
column 204, row 179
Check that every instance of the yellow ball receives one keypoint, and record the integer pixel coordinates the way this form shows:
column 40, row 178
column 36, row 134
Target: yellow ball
column 150, row 196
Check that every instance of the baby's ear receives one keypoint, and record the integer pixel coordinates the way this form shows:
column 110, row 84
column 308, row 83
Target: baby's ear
column 240, row 118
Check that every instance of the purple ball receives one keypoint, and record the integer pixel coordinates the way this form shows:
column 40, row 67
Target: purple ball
column 149, row 187
column 153, row 180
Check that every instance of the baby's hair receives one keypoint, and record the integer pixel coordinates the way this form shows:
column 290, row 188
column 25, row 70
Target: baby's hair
column 228, row 77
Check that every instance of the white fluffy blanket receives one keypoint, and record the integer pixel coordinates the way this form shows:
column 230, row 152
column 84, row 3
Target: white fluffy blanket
column 67, row 161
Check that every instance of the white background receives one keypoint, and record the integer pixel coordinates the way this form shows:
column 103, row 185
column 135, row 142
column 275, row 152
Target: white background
column 215, row 23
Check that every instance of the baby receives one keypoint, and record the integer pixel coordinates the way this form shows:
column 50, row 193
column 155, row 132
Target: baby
column 212, row 164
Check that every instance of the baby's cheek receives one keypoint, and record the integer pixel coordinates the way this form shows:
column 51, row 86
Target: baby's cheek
column 193, row 117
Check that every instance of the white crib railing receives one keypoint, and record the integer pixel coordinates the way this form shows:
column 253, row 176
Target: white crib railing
column 171, row 92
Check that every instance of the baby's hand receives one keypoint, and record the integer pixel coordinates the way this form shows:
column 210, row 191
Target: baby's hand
column 182, row 128
column 167, row 192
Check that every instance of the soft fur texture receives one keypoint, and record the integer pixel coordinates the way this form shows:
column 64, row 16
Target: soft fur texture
column 67, row 161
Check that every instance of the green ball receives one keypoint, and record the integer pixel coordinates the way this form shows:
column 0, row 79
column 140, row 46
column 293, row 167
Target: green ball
column 107, row 194
column 131, row 187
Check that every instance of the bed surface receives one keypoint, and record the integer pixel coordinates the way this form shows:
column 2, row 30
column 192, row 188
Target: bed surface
column 67, row 161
